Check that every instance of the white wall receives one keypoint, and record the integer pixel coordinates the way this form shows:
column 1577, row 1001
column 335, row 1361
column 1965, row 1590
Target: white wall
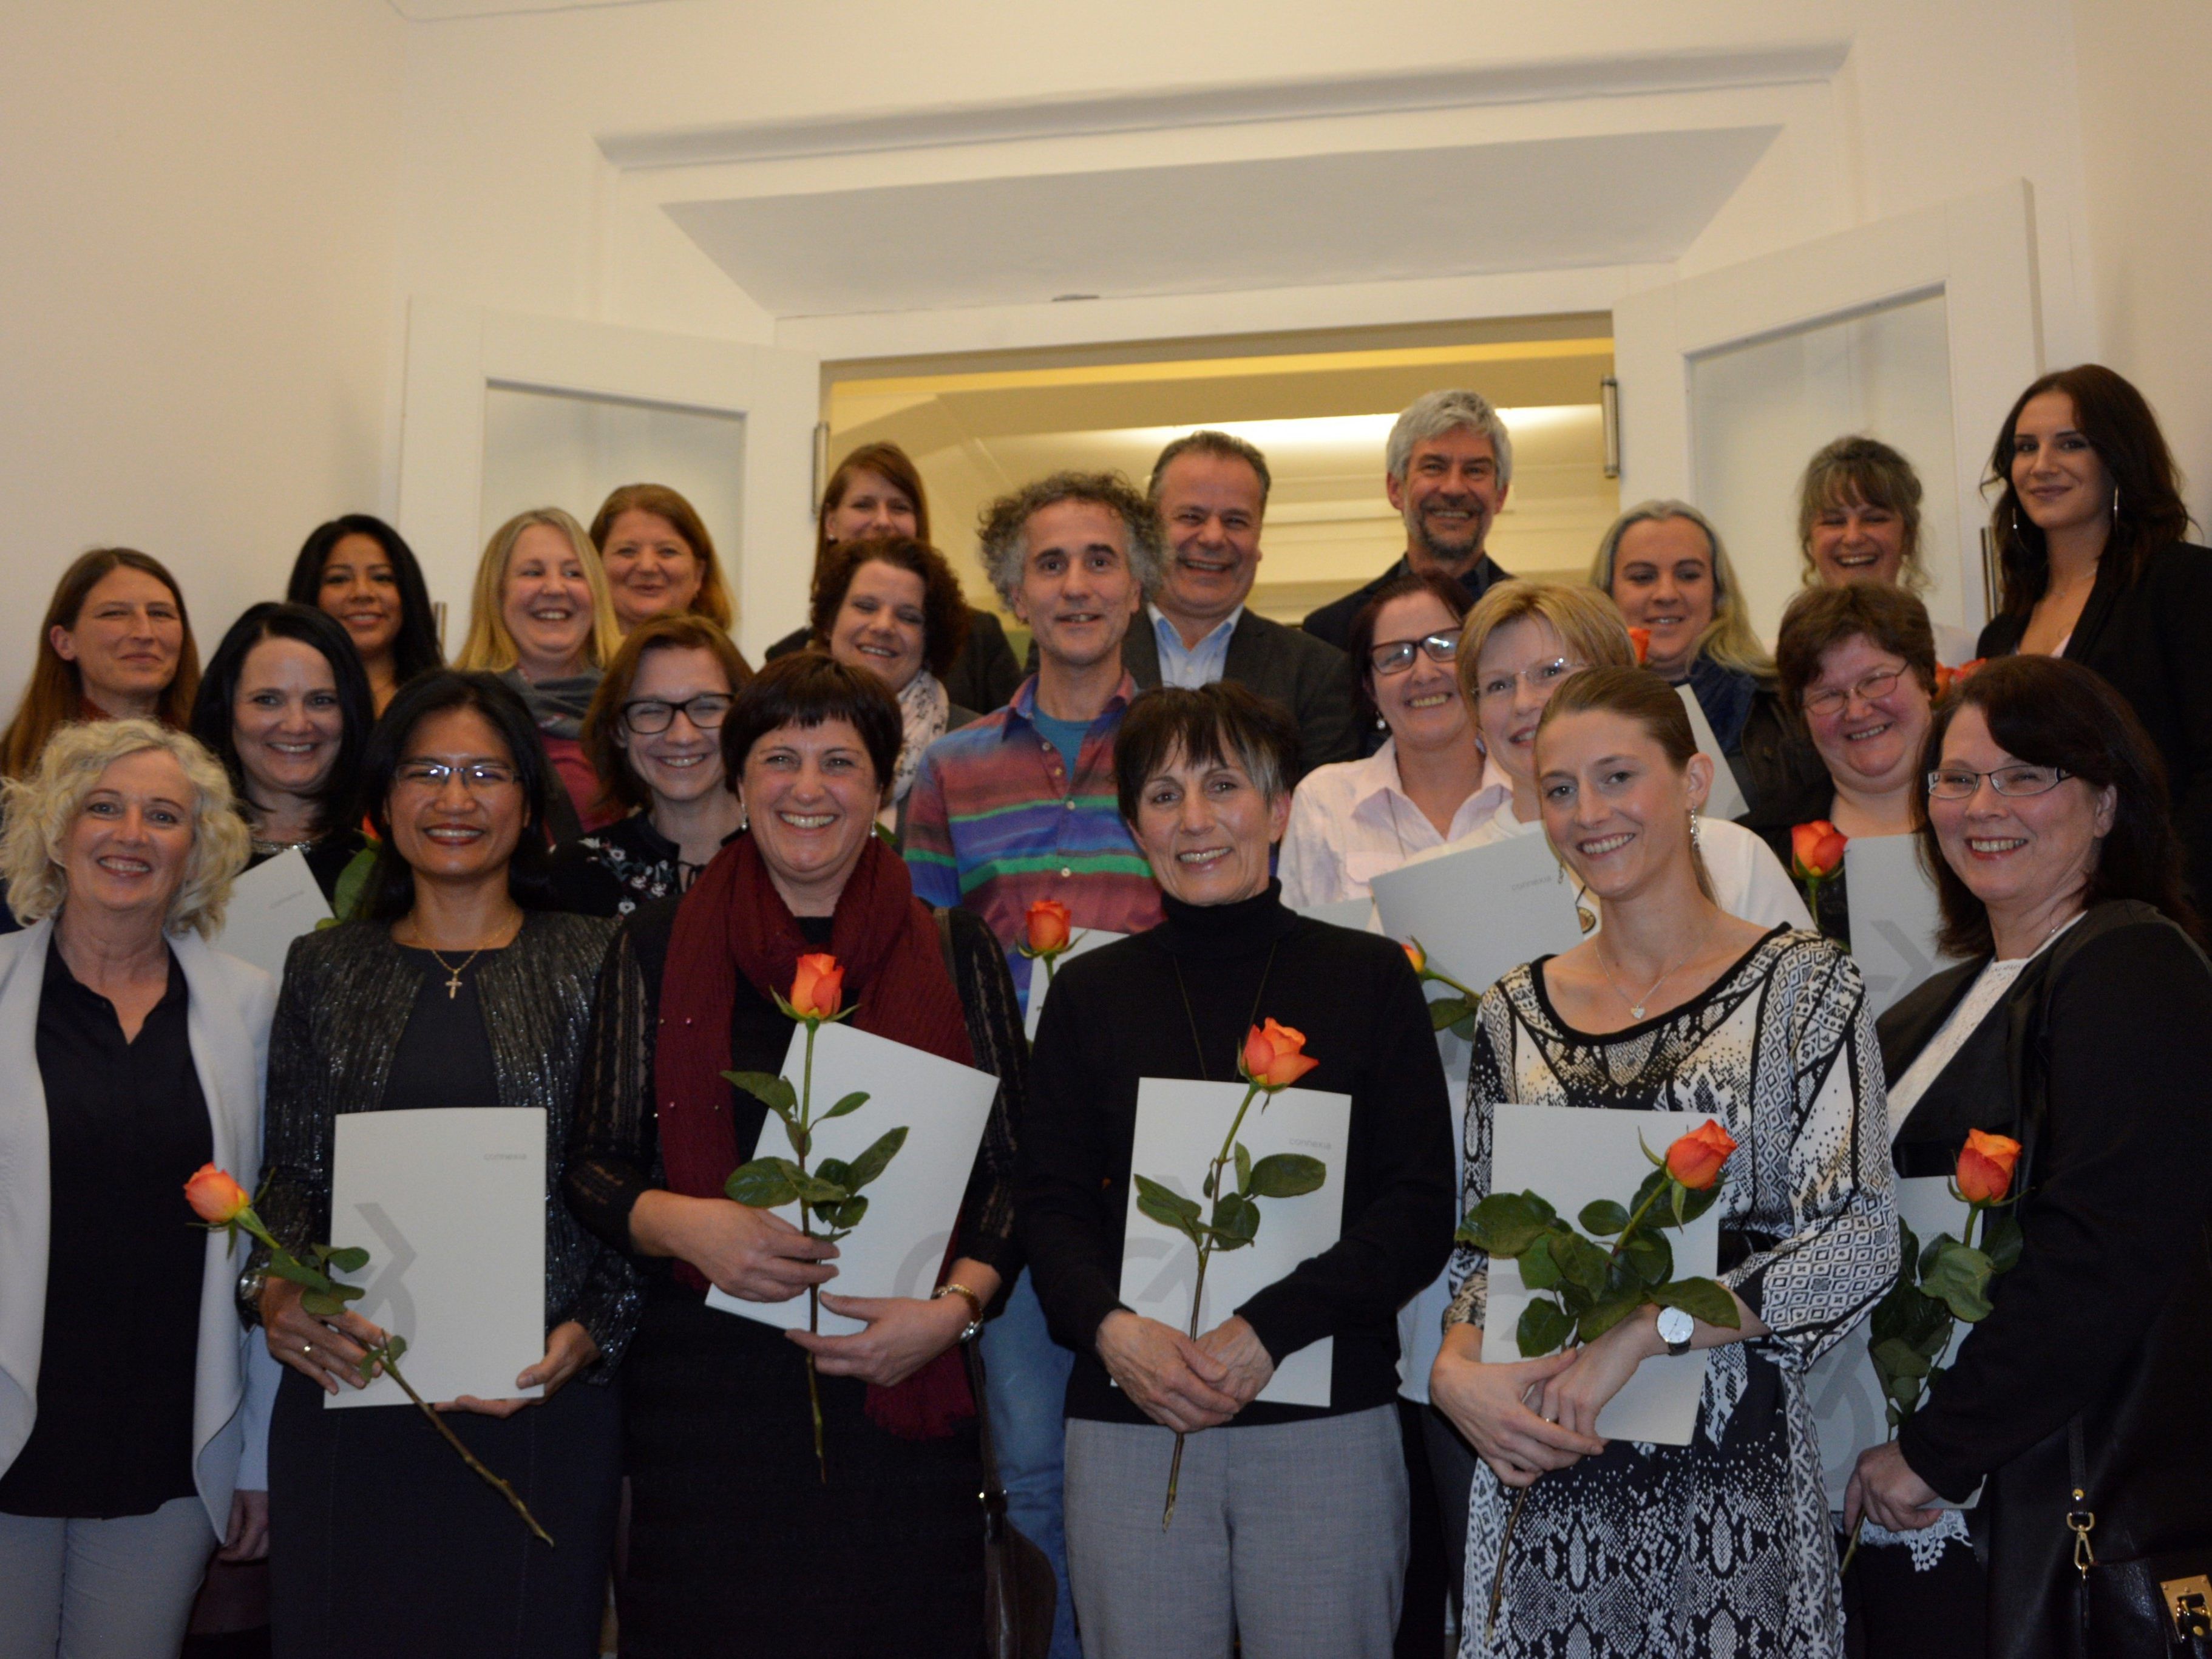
column 2146, row 136
column 196, row 308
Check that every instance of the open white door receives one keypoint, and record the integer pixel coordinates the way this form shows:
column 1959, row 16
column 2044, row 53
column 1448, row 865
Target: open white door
column 1920, row 330
column 505, row 412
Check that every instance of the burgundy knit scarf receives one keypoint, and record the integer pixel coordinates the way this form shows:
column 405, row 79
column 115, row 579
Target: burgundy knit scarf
column 732, row 923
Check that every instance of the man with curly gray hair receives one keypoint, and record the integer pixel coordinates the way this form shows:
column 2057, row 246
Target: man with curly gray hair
column 1020, row 806
column 1447, row 467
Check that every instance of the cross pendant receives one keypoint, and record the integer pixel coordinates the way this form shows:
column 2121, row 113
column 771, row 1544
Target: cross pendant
column 453, row 985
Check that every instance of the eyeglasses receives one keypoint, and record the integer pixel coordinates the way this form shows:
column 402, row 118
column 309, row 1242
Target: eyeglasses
column 476, row 775
column 1956, row 783
column 648, row 716
column 1542, row 677
column 1397, row 656
column 1870, row 687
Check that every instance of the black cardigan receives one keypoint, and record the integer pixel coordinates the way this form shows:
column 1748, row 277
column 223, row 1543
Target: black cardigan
column 2099, row 1059
column 1116, row 1016
column 2152, row 643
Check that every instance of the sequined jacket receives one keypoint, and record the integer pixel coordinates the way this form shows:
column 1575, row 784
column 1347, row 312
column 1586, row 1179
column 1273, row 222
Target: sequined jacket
column 348, row 993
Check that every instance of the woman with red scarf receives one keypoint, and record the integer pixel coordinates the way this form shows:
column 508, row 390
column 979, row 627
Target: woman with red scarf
column 736, row 1536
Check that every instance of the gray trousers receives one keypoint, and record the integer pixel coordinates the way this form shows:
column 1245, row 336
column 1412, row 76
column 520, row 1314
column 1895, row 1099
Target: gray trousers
column 1289, row 1539
column 101, row 1589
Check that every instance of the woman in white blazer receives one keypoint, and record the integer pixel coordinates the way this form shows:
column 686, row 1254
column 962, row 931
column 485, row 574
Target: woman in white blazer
column 133, row 1407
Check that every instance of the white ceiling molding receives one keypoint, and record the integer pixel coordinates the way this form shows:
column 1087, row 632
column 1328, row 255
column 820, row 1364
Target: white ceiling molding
column 1397, row 92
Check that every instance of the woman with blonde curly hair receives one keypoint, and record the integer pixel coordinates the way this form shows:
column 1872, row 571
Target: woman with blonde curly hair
column 129, row 1448
column 542, row 619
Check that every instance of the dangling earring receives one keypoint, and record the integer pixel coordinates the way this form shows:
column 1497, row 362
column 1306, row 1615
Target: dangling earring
column 1697, row 835
column 2116, row 504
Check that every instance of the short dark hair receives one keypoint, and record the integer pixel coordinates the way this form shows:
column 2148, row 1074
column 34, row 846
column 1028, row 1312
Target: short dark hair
column 943, row 606
column 2118, row 423
column 683, row 630
column 1360, row 640
column 807, row 688
column 215, row 713
column 415, row 647
column 1223, row 723
column 1819, row 619
column 1224, row 445
column 391, row 882
column 2046, row 711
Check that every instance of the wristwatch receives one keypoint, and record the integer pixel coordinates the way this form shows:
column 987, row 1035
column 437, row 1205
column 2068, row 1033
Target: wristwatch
column 953, row 1287
column 1676, row 1327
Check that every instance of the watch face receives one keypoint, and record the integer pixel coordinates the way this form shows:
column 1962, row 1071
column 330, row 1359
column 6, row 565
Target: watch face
column 1676, row 1326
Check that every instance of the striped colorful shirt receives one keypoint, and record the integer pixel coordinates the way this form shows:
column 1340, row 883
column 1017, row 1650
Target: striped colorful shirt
column 994, row 824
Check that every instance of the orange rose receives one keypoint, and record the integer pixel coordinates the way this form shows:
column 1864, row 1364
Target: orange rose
column 1418, row 957
column 1695, row 1160
column 1275, row 1055
column 217, row 1199
column 1985, row 1164
column 818, row 989
column 1816, row 850
column 1946, row 679
column 1048, row 927
column 1641, row 639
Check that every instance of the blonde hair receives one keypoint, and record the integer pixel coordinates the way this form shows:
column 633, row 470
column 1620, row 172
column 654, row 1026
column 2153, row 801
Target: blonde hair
column 1727, row 639
column 1587, row 623
column 42, row 805
column 489, row 646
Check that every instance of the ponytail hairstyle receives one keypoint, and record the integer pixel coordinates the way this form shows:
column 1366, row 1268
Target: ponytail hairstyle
column 1641, row 695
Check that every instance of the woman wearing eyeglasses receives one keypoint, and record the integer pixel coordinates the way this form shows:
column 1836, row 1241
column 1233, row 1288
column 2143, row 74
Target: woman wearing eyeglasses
column 653, row 735
column 459, row 988
column 1352, row 821
column 1857, row 663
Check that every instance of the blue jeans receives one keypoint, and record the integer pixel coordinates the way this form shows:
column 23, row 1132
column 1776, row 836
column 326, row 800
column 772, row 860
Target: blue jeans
column 1025, row 1379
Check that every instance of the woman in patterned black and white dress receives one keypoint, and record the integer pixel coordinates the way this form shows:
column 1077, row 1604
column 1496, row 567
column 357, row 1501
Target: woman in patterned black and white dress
column 1722, row 1546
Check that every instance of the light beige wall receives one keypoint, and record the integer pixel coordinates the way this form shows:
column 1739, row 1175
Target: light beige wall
column 2146, row 156
column 197, row 310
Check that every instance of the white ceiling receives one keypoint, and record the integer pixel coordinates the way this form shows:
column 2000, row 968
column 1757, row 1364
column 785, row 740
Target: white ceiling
column 1228, row 225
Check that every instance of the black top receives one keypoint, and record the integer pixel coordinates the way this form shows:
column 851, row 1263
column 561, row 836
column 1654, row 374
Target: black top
column 126, row 1126
column 1333, row 622
column 983, row 677
column 326, row 860
column 444, row 1057
column 1118, row 1015
column 2099, row 1059
column 2150, row 642
column 614, row 1154
column 1308, row 679
column 613, row 871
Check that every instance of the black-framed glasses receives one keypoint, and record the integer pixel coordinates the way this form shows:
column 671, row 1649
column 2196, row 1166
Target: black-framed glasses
column 1868, row 688
column 1397, row 656
column 1957, row 783
column 476, row 775
column 1541, row 677
column 648, row 716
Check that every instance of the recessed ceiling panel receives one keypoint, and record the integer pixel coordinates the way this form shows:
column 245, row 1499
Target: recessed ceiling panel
column 1279, row 222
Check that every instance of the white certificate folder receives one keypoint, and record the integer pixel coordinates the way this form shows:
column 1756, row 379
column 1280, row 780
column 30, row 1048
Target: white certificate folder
column 450, row 1204
column 900, row 1244
column 1180, row 1127
column 1482, row 912
column 1573, row 1156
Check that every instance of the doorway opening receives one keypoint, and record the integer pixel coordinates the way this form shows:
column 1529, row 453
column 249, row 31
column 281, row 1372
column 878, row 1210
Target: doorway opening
column 1319, row 405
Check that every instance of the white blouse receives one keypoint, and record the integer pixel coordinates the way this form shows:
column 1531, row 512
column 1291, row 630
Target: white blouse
column 1352, row 821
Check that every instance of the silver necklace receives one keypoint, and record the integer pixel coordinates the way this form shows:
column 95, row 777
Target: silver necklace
column 1636, row 1006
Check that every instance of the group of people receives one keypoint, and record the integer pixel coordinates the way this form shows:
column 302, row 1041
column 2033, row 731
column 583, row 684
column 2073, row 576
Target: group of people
column 579, row 870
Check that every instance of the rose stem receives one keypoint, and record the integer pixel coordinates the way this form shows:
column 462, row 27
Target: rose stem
column 806, row 1226
column 384, row 1361
column 1498, row 1582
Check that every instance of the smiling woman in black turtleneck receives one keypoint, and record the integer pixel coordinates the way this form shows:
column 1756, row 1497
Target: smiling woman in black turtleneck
column 1290, row 1522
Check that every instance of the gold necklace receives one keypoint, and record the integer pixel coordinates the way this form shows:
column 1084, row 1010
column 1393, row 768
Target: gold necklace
column 454, row 972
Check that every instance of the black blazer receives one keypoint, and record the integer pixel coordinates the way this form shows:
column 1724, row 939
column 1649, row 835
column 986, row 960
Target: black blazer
column 1311, row 680
column 1333, row 622
column 2099, row 1060
column 2152, row 643
column 983, row 677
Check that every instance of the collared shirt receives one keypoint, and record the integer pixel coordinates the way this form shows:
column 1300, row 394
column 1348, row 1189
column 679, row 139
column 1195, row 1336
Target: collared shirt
column 995, row 823
column 1192, row 667
column 1352, row 821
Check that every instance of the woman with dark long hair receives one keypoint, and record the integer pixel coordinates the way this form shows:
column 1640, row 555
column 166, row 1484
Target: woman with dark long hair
column 2080, row 1024
column 2090, row 532
column 359, row 570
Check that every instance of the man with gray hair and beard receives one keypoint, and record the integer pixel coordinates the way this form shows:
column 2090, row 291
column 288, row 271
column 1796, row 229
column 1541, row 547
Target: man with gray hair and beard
column 1447, row 468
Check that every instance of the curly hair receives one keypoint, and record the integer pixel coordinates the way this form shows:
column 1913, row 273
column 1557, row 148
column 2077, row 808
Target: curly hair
column 943, row 606
column 1002, row 528
column 41, row 805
